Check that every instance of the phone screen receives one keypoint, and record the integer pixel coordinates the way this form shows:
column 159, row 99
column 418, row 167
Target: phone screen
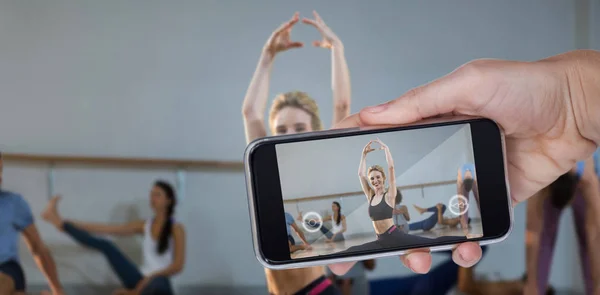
column 375, row 192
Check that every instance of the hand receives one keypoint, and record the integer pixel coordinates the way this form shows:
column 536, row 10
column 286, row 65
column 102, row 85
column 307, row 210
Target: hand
column 141, row 285
column 534, row 104
column 330, row 40
column 368, row 148
column 439, row 205
column 280, row 39
column 383, row 146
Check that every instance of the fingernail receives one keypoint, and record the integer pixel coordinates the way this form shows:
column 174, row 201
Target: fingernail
column 465, row 257
column 407, row 264
column 377, row 109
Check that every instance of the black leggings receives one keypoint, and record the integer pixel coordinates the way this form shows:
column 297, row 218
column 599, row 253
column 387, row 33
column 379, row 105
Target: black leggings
column 393, row 237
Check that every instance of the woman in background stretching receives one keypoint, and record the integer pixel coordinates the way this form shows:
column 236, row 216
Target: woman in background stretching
column 295, row 112
column 338, row 224
column 580, row 189
column 436, row 218
column 163, row 247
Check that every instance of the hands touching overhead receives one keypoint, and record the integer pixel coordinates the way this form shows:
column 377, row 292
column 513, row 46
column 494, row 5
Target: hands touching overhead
column 280, row 39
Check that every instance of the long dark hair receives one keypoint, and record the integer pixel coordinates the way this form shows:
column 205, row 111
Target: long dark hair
column 166, row 231
column 398, row 196
column 339, row 217
column 562, row 190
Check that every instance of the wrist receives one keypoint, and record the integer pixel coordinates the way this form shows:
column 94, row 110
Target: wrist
column 582, row 71
column 266, row 58
column 337, row 45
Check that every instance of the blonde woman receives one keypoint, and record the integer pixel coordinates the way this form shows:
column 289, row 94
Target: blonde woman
column 295, row 112
column 382, row 201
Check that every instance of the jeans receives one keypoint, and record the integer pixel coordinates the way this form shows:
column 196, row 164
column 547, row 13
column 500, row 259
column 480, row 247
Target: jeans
column 129, row 275
column 326, row 232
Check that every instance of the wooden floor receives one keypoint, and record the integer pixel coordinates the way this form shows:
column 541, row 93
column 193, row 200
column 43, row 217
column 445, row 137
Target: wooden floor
column 322, row 248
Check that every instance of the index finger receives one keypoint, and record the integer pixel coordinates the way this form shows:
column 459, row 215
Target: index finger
column 288, row 24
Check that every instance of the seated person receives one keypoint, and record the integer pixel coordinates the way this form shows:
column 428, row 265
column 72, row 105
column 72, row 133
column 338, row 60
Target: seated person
column 436, row 218
column 291, row 224
column 401, row 215
column 338, row 224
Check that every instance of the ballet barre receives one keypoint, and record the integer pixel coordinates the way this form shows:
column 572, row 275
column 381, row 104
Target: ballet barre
column 421, row 186
column 181, row 166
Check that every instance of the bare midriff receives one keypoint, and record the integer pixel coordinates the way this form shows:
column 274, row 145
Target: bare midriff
column 383, row 225
column 290, row 281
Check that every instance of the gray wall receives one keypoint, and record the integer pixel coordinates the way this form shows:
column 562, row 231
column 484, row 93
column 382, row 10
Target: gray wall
column 330, row 166
column 151, row 78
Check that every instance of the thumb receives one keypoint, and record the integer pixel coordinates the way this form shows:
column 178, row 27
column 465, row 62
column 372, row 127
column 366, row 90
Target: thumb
column 449, row 94
column 295, row 45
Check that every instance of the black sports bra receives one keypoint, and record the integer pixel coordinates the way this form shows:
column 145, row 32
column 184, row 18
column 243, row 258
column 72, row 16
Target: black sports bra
column 380, row 211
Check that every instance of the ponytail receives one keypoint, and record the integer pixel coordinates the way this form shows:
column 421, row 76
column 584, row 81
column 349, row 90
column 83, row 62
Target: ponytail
column 339, row 217
column 167, row 230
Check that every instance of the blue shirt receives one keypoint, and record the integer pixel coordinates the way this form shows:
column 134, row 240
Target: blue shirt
column 468, row 167
column 579, row 169
column 289, row 220
column 15, row 216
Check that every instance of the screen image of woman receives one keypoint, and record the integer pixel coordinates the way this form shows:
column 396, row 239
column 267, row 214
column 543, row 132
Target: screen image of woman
column 382, row 202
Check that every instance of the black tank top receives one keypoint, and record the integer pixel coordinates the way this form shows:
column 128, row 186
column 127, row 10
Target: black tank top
column 380, row 211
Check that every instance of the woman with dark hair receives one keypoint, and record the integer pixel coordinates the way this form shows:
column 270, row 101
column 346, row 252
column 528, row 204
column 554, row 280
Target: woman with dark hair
column 580, row 189
column 401, row 215
column 163, row 246
column 338, row 224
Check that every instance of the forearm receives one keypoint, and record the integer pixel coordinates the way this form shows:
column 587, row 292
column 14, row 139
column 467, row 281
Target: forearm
column 389, row 160
column 47, row 266
column 362, row 167
column 257, row 96
column 340, row 76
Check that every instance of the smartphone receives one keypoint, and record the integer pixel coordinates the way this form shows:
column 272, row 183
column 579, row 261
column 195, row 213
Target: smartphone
column 362, row 193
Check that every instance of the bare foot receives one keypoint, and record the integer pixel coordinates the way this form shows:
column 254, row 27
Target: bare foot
column 50, row 213
column 421, row 210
